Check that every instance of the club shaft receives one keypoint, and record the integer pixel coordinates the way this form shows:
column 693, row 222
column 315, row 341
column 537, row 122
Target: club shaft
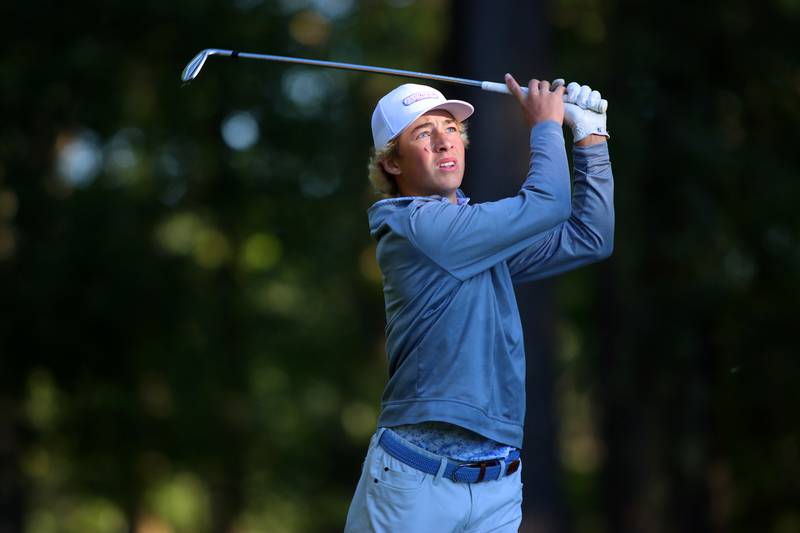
column 194, row 66
column 352, row 66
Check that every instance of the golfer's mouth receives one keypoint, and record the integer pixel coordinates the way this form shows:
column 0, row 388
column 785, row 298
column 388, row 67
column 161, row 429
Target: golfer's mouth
column 446, row 164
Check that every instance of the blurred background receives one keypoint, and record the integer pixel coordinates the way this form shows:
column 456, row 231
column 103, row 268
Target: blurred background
column 191, row 317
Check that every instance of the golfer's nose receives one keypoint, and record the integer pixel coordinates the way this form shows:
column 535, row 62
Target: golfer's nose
column 440, row 142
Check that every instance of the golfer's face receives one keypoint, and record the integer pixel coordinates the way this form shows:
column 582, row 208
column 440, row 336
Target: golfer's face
column 431, row 156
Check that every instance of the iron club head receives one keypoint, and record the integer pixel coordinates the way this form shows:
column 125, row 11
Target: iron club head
column 192, row 69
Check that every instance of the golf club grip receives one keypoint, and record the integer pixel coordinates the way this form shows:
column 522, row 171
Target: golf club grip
column 601, row 107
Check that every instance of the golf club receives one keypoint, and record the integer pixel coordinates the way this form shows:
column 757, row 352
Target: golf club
column 194, row 66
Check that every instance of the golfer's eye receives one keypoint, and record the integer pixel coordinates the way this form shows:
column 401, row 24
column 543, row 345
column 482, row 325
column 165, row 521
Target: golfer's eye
column 423, row 134
column 451, row 129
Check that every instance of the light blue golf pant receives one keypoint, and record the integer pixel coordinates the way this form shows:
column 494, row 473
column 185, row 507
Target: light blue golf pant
column 393, row 497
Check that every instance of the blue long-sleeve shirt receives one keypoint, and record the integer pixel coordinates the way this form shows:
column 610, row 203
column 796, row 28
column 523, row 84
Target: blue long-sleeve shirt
column 454, row 337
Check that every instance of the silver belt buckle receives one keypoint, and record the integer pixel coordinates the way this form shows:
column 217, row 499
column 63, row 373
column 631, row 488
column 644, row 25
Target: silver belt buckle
column 478, row 464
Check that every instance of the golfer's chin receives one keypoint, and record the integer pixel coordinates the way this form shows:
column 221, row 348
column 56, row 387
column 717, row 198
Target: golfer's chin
column 449, row 182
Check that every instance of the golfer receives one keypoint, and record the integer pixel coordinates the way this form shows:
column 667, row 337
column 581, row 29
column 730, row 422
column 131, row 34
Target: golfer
column 446, row 453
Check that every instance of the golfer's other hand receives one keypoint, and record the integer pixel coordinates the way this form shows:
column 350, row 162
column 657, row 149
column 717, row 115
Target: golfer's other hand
column 540, row 104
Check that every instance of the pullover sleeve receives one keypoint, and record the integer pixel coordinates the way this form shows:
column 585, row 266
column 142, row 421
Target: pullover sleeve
column 468, row 239
column 588, row 235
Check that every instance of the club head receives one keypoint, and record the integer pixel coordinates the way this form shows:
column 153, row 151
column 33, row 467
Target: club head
column 192, row 69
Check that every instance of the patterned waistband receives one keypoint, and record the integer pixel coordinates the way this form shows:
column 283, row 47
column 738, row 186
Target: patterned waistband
column 452, row 441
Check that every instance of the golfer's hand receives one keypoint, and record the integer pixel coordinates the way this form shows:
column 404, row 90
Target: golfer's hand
column 588, row 127
column 540, row 103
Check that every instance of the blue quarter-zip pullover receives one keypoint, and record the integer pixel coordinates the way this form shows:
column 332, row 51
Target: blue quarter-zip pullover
column 454, row 337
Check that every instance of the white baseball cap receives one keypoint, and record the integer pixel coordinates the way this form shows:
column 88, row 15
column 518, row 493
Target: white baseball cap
column 405, row 104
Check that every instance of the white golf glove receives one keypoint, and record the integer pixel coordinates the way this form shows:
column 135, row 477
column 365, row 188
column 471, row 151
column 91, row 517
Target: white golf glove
column 578, row 115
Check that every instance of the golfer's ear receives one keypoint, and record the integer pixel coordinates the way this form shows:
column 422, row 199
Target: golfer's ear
column 390, row 166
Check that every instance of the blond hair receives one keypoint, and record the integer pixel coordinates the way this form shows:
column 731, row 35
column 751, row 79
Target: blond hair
column 385, row 183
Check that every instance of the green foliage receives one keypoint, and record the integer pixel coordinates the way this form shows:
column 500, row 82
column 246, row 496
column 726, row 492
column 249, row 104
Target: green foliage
column 689, row 345
column 192, row 327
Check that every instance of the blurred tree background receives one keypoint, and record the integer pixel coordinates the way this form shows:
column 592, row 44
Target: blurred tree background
column 191, row 321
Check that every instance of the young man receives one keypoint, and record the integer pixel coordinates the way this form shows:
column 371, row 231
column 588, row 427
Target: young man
column 446, row 453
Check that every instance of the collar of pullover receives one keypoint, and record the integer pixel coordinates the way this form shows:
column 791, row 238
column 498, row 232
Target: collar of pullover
column 461, row 199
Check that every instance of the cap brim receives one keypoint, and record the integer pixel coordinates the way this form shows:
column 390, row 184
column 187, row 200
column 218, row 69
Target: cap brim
column 460, row 109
